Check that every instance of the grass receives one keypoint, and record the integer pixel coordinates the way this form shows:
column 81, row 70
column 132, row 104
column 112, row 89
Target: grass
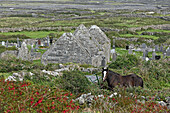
column 155, row 30
column 35, row 34
column 139, row 36
column 31, row 34
column 123, row 51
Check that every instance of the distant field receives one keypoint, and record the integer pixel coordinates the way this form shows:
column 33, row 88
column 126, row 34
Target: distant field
column 34, row 34
column 140, row 36
column 112, row 22
column 155, row 30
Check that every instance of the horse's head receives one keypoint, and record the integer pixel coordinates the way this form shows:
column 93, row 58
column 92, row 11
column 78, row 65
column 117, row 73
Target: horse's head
column 104, row 73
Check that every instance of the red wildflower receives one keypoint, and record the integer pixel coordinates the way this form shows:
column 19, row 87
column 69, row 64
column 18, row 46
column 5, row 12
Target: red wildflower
column 39, row 101
column 71, row 101
column 113, row 99
column 71, row 94
column 78, row 107
column 66, row 94
column 52, row 102
column 53, row 107
column 41, row 111
column 32, row 102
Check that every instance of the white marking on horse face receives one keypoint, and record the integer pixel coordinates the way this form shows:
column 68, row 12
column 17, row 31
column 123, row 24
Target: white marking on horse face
column 104, row 75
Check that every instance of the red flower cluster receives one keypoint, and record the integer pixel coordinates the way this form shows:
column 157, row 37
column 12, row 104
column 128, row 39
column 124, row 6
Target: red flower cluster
column 24, row 97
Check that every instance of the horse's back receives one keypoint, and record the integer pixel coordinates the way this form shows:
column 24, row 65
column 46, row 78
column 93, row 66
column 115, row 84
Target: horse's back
column 137, row 80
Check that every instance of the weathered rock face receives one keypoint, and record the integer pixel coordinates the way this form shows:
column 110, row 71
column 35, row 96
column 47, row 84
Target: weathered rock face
column 24, row 53
column 66, row 49
column 85, row 46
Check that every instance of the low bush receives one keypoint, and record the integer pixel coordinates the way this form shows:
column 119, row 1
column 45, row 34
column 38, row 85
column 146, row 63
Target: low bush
column 74, row 81
column 162, row 39
column 125, row 61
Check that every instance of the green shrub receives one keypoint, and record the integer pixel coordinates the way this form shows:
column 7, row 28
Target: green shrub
column 74, row 81
column 125, row 61
column 162, row 39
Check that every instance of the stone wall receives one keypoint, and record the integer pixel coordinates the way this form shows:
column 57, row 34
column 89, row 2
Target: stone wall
column 66, row 49
column 10, row 53
column 84, row 46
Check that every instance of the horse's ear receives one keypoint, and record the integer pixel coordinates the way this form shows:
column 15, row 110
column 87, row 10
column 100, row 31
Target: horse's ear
column 107, row 69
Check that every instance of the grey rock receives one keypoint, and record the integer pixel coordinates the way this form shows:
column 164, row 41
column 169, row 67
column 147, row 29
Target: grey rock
column 167, row 99
column 143, row 97
column 89, row 99
column 11, row 78
column 92, row 78
column 162, row 103
column 61, row 66
column 101, row 96
column 81, row 100
column 54, row 73
column 143, row 101
column 168, row 106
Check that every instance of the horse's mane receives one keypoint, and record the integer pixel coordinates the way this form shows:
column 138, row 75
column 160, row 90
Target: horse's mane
column 114, row 73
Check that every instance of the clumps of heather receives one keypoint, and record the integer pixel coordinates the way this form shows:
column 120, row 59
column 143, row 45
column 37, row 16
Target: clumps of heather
column 24, row 97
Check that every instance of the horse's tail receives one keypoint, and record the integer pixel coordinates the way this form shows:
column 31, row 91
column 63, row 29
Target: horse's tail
column 141, row 83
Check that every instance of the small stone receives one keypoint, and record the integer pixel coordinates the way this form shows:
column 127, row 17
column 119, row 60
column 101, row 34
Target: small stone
column 11, row 78
column 143, row 97
column 162, row 103
column 81, row 100
column 167, row 100
column 138, row 101
column 168, row 106
column 115, row 93
column 111, row 96
column 31, row 74
column 101, row 96
column 90, row 99
column 61, row 66
column 131, row 94
column 143, row 101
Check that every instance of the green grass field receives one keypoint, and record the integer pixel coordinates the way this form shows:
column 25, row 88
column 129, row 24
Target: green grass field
column 155, row 30
column 139, row 36
column 35, row 34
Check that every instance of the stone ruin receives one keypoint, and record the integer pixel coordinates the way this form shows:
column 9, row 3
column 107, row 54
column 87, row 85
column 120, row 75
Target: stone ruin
column 84, row 46
column 24, row 53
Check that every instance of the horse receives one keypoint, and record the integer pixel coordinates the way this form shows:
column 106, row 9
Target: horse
column 113, row 79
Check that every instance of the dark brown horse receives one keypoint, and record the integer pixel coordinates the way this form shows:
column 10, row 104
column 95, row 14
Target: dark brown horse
column 113, row 79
